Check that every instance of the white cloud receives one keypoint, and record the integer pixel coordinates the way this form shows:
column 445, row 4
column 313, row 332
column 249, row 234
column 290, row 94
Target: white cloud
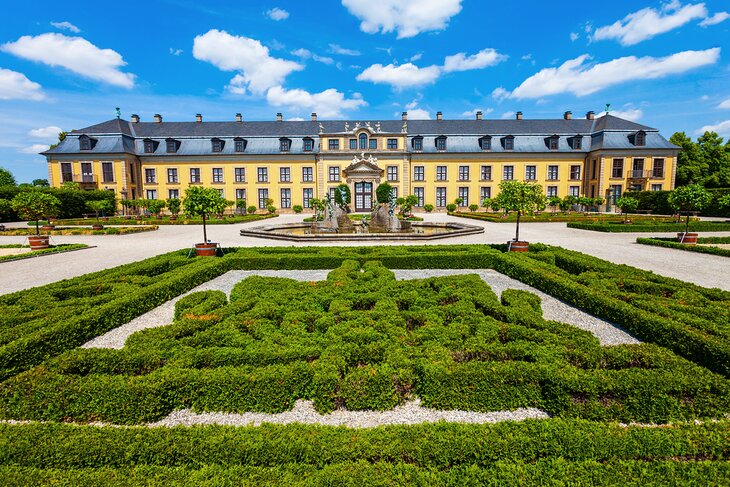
column 574, row 36
column 472, row 113
column 402, row 76
column 176, row 52
column 302, row 53
column 66, row 26
column 295, row 119
column 725, row 104
column 715, row 19
column 34, row 149
column 75, row 54
column 648, row 22
column 418, row 114
column 508, row 115
column 408, row 17
column 45, row 132
column 500, row 93
column 323, row 59
column 416, row 57
column 722, row 128
column 277, row 13
column 14, row 85
column 258, row 71
column 632, row 114
column 338, row 49
column 480, row 60
column 328, row 103
column 704, row 98
column 574, row 76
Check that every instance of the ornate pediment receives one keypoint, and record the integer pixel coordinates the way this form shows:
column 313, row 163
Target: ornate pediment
column 363, row 167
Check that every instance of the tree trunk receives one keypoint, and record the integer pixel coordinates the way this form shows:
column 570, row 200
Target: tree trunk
column 686, row 226
column 37, row 229
column 205, row 234
column 517, row 233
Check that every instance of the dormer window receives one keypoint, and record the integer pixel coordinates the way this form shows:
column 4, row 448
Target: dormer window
column 508, row 142
column 553, row 142
column 363, row 141
column 640, row 138
column 172, row 145
column 373, row 144
column 441, row 142
column 577, row 142
column 308, row 144
column 85, row 142
column 485, row 143
column 240, row 144
column 149, row 146
column 284, row 145
column 216, row 145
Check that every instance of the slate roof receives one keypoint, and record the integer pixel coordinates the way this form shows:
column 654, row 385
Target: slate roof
column 117, row 135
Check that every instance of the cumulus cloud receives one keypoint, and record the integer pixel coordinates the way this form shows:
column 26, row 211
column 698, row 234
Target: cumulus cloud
column 725, row 104
column 715, row 19
column 574, row 36
column 480, row 60
column 632, row 114
column 277, row 13
column 34, row 149
column 50, row 132
column 176, row 52
column 508, row 115
column 721, row 128
column 328, row 103
column 66, row 26
column 579, row 78
column 472, row 113
column 14, row 85
column 648, row 22
column 401, row 76
column 419, row 114
column 343, row 51
column 258, row 71
column 307, row 54
column 406, row 17
column 75, row 54
column 500, row 93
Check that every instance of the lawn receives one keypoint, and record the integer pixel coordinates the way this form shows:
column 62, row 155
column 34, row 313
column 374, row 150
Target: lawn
column 152, row 220
column 704, row 244
column 547, row 217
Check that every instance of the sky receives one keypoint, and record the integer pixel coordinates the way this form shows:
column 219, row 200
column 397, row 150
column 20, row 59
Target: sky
column 64, row 67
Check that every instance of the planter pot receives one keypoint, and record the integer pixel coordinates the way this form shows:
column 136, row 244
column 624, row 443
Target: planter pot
column 173, row 218
column 687, row 238
column 48, row 228
column 206, row 249
column 38, row 242
column 97, row 226
column 518, row 246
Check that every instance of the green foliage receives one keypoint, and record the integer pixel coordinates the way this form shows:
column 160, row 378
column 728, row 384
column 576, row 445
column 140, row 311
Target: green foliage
column 35, row 205
column 627, row 204
column 174, row 204
column 43, row 183
column 201, row 201
column 554, row 202
column 647, row 226
column 692, row 197
column 382, row 192
column 101, row 206
column 519, row 196
column 6, row 178
column 473, row 207
column 338, row 195
column 71, row 186
column 6, row 210
column 298, row 208
column 406, row 204
column 271, row 209
column 156, row 206
column 724, row 202
column 705, row 162
column 451, row 207
column 428, row 207
column 198, row 304
column 50, row 250
column 251, row 209
column 673, row 244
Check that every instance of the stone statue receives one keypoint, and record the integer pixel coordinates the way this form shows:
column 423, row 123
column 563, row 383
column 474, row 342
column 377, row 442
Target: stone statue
column 347, row 127
column 377, row 127
column 391, row 204
column 367, row 124
column 404, row 129
column 357, row 125
column 321, row 128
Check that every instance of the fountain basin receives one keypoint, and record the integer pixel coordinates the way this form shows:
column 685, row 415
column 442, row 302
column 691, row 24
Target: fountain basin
column 418, row 231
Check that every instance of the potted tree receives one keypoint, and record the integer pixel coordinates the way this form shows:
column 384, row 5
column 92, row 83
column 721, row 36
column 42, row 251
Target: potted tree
column 687, row 199
column 173, row 204
column 35, row 205
column 241, row 206
column 99, row 207
column 627, row 205
column 200, row 201
column 155, row 207
column 522, row 198
column 428, row 207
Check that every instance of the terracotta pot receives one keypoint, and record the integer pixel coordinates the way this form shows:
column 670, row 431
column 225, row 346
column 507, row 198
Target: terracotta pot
column 97, row 226
column 38, row 242
column 687, row 238
column 48, row 227
column 518, row 246
column 206, row 249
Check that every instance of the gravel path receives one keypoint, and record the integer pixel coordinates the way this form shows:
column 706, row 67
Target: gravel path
column 553, row 309
column 303, row 412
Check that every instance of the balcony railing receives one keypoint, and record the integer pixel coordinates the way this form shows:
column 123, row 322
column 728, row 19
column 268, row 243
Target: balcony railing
column 638, row 174
column 79, row 178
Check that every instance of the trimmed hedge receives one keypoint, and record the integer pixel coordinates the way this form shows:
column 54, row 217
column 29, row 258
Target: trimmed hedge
column 182, row 220
column 81, row 231
column 618, row 227
column 658, row 202
column 55, row 249
column 73, row 202
column 496, row 217
column 703, row 249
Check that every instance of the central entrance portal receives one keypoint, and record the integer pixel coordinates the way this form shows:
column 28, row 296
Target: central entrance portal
column 363, row 196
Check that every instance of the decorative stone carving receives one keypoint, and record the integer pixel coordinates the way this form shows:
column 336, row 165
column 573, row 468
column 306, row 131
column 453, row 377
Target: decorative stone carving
column 321, row 128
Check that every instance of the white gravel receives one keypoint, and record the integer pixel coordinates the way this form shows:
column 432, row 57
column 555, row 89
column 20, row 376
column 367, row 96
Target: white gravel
column 303, row 412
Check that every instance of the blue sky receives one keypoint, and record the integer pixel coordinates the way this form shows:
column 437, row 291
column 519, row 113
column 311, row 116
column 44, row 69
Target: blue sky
column 664, row 64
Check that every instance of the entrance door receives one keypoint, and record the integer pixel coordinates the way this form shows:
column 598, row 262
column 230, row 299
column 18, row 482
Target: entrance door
column 363, row 196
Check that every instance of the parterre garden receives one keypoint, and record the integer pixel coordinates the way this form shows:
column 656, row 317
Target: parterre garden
column 362, row 340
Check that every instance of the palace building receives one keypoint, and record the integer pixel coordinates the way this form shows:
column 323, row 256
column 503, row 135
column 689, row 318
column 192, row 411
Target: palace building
column 437, row 160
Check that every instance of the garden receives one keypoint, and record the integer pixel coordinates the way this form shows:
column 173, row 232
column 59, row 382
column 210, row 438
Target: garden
column 362, row 340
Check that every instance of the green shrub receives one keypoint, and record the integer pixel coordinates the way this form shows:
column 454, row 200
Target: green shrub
column 200, row 303
column 298, row 208
column 428, row 207
column 451, row 207
column 251, row 209
column 382, row 192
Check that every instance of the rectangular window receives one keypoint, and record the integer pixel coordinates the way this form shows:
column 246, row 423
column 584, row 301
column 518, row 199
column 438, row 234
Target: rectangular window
column 508, row 173
column 656, row 187
column 173, row 193
column 574, row 191
column 172, row 175
column 107, row 171
column 195, row 175
column 577, row 143
column 615, row 192
column 464, row 197
column 552, row 191
column 307, row 195
column 334, row 173
column 353, row 143
column 151, row 194
column 262, row 174
column 240, row 174
column 441, row 197
column 392, row 144
column 617, row 169
column 530, row 173
column 286, row 198
column 486, row 173
column 240, row 146
column 484, row 193
column 574, row 172
column 222, row 192
column 441, row 143
column 463, row 173
column 553, row 143
column 331, row 192
column 485, row 143
column 440, row 173
column 150, row 176
column 593, row 170
column 658, row 169
column 217, row 174
column 67, row 174
column 87, row 172
column 637, row 169
column 394, row 192
column 373, row 144
column 420, row 194
column 285, row 175
column 308, row 145
column 509, row 143
column 552, row 173
column 392, row 173
column 149, row 147
column 240, row 194
column 334, row 144
column 263, row 196
column 217, row 145
column 307, row 174
column 284, row 145
column 419, row 173
column 418, row 144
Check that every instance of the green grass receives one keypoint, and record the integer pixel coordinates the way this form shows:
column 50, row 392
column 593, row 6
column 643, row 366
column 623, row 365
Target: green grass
column 547, row 216
column 619, row 227
column 54, row 249
column 702, row 246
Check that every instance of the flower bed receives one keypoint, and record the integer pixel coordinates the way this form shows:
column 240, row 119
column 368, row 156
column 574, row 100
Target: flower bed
column 76, row 230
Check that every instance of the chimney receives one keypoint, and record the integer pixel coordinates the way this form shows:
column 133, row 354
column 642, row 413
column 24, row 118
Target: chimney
column 239, row 117
column 279, row 117
column 439, row 116
column 518, row 115
column 314, row 116
column 404, row 116
column 135, row 118
column 568, row 115
column 158, row 118
column 591, row 115
column 198, row 117
column 479, row 115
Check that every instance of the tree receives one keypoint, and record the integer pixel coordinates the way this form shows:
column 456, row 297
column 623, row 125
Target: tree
column 486, row 203
column 692, row 197
column 724, row 202
column 520, row 197
column 382, row 192
column 200, row 201
column 689, row 166
column 240, row 205
column 554, row 202
column 42, row 183
column 6, row 209
column 156, row 206
column 406, row 204
column 6, row 178
column 627, row 205
column 71, row 185
column 717, row 159
column 61, row 138
column 100, row 206
column 35, row 205
column 173, row 204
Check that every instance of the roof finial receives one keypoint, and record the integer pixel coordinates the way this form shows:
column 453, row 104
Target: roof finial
column 608, row 108
column 119, row 112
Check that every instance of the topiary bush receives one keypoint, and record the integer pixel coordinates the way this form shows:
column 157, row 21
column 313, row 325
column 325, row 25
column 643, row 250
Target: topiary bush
column 382, row 192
